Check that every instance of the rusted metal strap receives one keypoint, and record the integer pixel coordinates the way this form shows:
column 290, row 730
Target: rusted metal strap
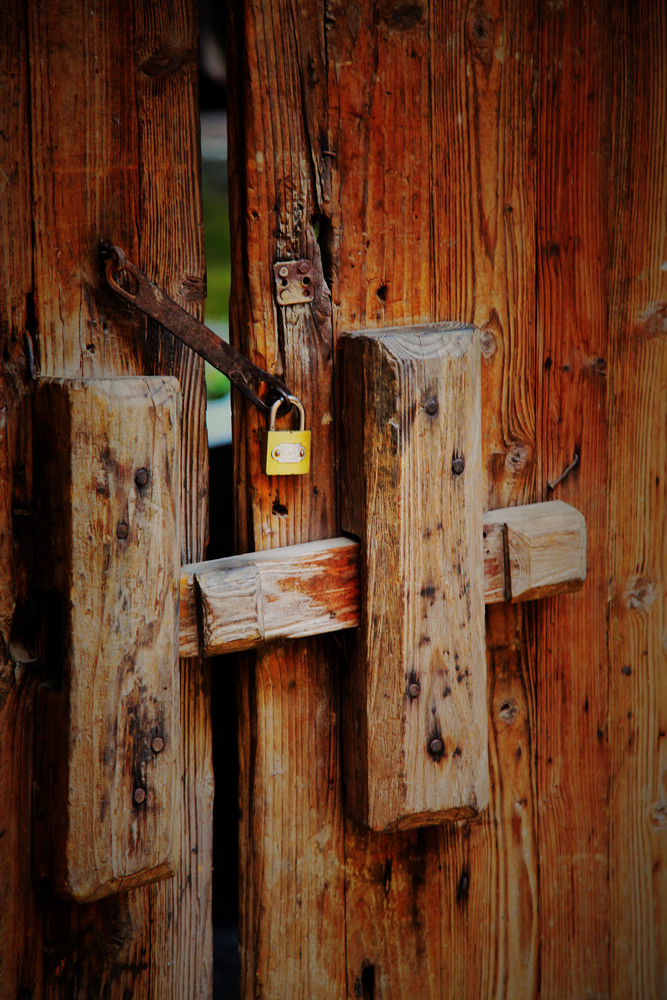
column 130, row 283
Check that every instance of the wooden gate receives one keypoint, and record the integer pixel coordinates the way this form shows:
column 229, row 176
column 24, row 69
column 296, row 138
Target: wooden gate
column 485, row 163
column 501, row 164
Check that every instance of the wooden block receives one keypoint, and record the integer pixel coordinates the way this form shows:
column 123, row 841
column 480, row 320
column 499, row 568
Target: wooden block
column 415, row 714
column 545, row 548
column 301, row 590
column 107, row 460
column 285, row 593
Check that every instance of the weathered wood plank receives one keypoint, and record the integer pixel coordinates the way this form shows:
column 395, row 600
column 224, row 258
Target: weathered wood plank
column 292, row 859
column 484, row 272
column 415, row 715
column 279, row 593
column 571, row 723
column 545, row 548
column 313, row 588
column 463, row 131
column 178, row 916
column 103, row 88
column 21, row 929
column 109, row 548
column 637, row 504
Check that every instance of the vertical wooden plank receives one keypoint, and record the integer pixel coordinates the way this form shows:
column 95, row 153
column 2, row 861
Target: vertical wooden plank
column 292, row 907
column 84, row 182
column 171, row 252
column 484, row 192
column 114, row 149
column 415, row 715
column 463, row 900
column 21, row 935
column 637, row 535
column 378, row 67
column 574, row 124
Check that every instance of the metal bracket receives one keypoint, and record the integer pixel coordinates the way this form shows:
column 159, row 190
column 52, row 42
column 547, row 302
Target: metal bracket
column 294, row 282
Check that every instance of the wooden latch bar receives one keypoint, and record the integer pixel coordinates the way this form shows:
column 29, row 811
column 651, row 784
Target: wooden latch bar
column 240, row 602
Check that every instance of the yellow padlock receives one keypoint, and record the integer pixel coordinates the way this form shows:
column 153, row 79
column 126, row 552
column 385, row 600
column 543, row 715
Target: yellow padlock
column 286, row 453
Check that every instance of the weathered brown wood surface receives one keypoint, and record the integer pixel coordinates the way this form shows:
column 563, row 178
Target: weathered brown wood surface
column 92, row 148
column 495, row 164
column 637, row 504
column 106, row 469
column 309, row 589
column 415, row 724
column 292, row 592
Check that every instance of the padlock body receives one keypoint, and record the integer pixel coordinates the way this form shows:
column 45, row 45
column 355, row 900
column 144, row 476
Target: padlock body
column 286, row 453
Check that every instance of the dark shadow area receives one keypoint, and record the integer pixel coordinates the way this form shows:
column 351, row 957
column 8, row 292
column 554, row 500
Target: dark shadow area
column 213, row 106
column 225, row 753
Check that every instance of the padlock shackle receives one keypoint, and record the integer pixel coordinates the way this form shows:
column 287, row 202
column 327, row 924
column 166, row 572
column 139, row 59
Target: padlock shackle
column 295, row 403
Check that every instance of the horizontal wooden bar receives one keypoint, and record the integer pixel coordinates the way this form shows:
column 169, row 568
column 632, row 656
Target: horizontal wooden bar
column 285, row 593
column 531, row 551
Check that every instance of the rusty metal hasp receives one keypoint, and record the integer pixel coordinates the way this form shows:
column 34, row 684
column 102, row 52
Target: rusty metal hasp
column 128, row 281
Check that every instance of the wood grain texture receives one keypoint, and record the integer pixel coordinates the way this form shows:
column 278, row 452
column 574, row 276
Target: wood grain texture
column 416, row 724
column 292, row 903
column 88, row 122
column 21, row 931
column 110, row 553
column 313, row 588
column 498, row 164
column 545, row 549
column 637, row 529
column 571, row 724
column 454, row 131
column 286, row 593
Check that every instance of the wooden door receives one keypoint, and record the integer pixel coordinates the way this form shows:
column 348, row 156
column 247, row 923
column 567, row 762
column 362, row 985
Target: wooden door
column 501, row 164
column 98, row 141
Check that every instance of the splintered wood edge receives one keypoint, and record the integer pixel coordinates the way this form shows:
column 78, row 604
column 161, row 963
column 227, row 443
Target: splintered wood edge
column 227, row 605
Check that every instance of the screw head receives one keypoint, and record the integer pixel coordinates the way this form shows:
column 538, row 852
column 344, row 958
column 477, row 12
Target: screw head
column 414, row 690
column 458, row 465
column 122, row 529
column 284, row 271
column 157, row 744
column 432, row 407
column 141, row 477
column 436, row 746
column 139, row 795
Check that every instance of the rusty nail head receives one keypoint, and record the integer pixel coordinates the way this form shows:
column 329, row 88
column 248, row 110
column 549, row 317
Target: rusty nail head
column 283, row 272
column 435, row 746
column 157, row 744
column 141, row 477
column 303, row 267
column 122, row 529
column 432, row 407
column 458, row 465
column 414, row 690
column 139, row 795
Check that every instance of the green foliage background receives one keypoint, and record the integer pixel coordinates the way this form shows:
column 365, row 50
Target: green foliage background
column 218, row 261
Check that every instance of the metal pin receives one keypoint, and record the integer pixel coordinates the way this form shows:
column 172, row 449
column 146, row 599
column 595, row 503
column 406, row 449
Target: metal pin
column 564, row 473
